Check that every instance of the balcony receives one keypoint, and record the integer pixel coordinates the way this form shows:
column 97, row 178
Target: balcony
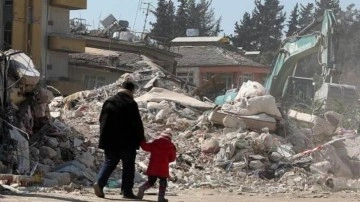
column 66, row 43
column 69, row 4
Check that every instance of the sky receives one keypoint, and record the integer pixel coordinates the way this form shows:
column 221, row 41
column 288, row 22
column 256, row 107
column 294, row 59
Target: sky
column 134, row 11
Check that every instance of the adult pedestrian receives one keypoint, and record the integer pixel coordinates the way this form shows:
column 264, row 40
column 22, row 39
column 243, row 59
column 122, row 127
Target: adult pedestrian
column 121, row 131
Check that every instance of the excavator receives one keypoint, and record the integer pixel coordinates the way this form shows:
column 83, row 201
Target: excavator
column 291, row 85
column 283, row 81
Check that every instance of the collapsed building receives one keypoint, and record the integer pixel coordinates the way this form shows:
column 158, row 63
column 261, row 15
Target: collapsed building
column 24, row 109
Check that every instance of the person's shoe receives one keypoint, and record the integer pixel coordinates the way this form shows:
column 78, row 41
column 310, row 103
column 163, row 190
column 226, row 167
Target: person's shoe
column 129, row 195
column 141, row 192
column 98, row 190
column 162, row 200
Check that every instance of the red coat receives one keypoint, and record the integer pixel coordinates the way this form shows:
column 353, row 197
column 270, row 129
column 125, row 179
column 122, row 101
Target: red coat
column 162, row 152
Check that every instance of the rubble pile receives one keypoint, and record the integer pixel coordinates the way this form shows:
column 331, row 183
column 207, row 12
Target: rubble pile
column 231, row 154
column 24, row 110
column 237, row 145
column 311, row 144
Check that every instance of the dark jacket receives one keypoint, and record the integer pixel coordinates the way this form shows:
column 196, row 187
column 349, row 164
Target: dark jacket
column 121, row 127
column 163, row 152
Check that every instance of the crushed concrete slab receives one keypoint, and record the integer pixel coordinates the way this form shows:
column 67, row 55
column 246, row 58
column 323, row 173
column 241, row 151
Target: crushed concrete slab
column 160, row 94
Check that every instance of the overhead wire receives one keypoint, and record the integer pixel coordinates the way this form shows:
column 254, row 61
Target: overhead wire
column 137, row 11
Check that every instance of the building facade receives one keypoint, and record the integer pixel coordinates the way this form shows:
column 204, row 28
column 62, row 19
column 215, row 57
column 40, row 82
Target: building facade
column 40, row 28
column 5, row 24
column 201, row 63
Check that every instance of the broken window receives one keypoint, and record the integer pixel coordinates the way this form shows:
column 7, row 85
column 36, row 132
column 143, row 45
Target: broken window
column 187, row 76
column 228, row 79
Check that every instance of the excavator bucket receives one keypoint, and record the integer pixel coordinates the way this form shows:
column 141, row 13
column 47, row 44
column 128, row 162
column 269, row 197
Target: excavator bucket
column 334, row 95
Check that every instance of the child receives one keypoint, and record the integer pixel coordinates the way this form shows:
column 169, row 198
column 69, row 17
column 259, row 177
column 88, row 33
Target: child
column 162, row 152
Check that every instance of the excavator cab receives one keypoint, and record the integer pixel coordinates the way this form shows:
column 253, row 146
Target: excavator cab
column 300, row 89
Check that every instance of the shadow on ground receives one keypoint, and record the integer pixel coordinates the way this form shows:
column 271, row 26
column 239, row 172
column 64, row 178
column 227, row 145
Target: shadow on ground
column 122, row 199
column 30, row 195
column 62, row 199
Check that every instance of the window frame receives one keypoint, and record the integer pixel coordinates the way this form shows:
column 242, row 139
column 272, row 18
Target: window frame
column 93, row 81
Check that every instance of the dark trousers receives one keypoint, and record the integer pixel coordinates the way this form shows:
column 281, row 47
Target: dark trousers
column 162, row 181
column 112, row 158
column 162, row 185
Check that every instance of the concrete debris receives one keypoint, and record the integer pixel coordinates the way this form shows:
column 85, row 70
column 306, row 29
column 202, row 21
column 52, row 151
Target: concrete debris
column 252, row 106
column 47, row 152
column 52, row 142
column 61, row 178
column 86, row 158
column 256, row 165
column 162, row 114
column 333, row 118
column 233, row 122
column 259, row 121
column 210, row 146
column 255, row 105
column 74, row 167
column 65, row 145
column 319, row 126
column 23, row 151
column 24, row 69
column 235, row 145
column 50, row 182
column 160, row 94
column 268, row 141
column 12, row 189
column 77, row 142
column 340, row 184
column 250, row 89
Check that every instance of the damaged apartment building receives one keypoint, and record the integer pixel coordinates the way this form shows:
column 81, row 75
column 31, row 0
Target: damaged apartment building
column 35, row 43
column 41, row 30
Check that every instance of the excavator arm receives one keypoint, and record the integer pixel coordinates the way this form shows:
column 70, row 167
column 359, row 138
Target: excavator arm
column 293, row 49
column 297, row 47
column 330, row 71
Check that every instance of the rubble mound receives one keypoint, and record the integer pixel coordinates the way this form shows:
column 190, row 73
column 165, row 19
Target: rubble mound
column 232, row 152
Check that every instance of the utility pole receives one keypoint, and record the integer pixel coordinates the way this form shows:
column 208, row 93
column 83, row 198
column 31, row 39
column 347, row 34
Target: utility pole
column 146, row 16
